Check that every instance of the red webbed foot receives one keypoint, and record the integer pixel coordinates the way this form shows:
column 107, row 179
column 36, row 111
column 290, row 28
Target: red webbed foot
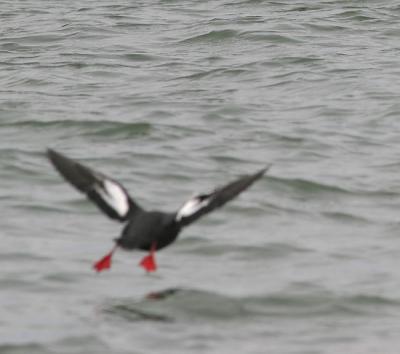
column 149, row 262
column 105, row 262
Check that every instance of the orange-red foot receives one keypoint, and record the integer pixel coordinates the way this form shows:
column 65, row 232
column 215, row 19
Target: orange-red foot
column 105, row 262
column 149, row 262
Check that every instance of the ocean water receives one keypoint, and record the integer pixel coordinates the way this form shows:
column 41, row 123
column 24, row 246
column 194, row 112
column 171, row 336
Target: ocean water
column 176, row 97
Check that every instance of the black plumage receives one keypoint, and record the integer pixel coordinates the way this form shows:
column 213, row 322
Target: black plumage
column 144, row 230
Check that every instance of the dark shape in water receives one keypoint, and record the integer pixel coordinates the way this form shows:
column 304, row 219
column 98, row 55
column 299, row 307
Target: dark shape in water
column 162, row 294
column 145, row 230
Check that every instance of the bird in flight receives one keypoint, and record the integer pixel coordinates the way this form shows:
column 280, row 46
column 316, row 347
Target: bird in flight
column 144, row 230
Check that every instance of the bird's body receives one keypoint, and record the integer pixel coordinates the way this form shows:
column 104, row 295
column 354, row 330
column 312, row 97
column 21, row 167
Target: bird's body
column 144, row 230
column 147, row 228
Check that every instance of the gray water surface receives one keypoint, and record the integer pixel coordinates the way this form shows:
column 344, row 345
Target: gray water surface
column 176, row 97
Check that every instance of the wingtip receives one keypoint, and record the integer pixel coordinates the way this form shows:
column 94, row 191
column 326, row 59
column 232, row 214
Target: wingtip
column 50, row 152
column 54, row 155
column 264, row 170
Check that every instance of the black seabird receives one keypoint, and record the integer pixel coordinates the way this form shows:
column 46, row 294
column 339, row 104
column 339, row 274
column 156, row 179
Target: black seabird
column 144, row 230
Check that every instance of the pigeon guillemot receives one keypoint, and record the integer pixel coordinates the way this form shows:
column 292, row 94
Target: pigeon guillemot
column 144, row 230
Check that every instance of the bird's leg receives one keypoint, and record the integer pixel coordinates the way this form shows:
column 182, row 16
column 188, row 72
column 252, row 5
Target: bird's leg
column 149, row 262
column 105, row 262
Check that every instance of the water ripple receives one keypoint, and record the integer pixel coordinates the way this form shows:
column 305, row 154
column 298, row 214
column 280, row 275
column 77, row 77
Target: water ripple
column 92, row 127
column 174, row 304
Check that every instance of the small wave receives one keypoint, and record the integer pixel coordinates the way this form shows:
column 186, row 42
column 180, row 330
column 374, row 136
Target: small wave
column 355, row 15
column 92, row 127
column 271, row 250
column 303, row 8
column 174, row 304
column 291, row 60
column 346, row 217
column 31, row 348
column 307, row 186
column 138, row 57
column 21, row 256
column 326, row 28
column 215, row 73
column 212, row 36
column 316, row 305
column 35, row 38
column 268, row 37
column 251, row 19
column 199, row 75
column 35, row 208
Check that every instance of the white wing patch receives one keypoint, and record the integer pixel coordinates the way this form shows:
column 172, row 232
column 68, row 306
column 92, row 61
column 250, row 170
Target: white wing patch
column 191, row 206
column 113, row 194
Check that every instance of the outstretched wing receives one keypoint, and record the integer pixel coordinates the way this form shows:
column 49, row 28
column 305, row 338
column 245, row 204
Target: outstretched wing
column 106, row 193
column 202, row 204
